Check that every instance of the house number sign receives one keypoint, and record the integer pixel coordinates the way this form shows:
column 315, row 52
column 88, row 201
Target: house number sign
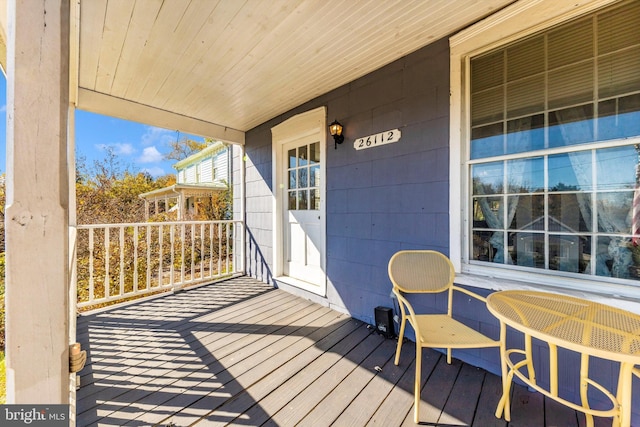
column 386, row 137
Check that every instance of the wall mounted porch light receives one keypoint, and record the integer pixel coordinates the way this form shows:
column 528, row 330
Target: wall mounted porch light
column 335, row 128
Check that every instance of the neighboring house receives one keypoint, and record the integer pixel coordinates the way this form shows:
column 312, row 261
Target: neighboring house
column 199, row 177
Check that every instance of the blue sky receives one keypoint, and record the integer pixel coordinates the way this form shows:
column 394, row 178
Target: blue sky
column 139, row 147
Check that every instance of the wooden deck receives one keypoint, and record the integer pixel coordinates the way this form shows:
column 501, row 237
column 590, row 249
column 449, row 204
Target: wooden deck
column 241, row 353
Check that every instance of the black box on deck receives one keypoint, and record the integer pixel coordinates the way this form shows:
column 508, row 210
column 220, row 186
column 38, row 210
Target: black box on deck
column 384, row 321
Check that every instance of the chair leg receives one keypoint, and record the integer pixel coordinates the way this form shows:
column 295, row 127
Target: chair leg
column 400, row 338
column 416, row 403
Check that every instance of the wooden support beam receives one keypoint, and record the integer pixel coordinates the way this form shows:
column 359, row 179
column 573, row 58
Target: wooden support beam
column 101, row 103
column 37, row 212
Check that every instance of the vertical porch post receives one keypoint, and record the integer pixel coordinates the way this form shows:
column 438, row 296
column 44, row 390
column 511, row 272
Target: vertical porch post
column 37, row 213
column 181, row 205
column 243, row 209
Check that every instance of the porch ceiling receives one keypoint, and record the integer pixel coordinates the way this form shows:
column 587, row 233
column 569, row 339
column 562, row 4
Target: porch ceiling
column 220, row 67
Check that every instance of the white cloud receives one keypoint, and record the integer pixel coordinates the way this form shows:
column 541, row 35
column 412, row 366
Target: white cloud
column 150, row 155
column 157, row 136
column 122, row 149
column 154, row 171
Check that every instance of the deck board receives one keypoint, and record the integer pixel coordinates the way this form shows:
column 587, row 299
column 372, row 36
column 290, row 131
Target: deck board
column 487, row 403
column 241, row 353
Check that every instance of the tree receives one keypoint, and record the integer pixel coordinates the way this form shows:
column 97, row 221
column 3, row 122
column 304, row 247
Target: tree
column 181, row 149
column 109, row 192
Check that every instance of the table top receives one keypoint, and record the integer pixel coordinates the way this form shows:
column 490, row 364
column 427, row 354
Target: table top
column 573, row 323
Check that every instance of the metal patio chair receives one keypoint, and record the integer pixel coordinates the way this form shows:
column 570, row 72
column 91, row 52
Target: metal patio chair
column 423, row 271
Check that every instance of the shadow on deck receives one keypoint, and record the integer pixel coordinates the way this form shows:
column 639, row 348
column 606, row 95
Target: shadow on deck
column 239, row 352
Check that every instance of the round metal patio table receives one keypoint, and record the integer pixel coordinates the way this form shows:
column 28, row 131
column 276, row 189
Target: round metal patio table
column 586, row 327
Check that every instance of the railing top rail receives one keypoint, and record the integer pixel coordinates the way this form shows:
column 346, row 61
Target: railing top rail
column 141, row 224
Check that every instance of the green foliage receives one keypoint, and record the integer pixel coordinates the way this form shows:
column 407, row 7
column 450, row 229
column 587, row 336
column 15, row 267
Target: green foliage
column 110, row 193
column 218, row 207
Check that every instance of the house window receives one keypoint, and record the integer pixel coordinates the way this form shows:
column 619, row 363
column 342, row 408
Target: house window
column 554, row 142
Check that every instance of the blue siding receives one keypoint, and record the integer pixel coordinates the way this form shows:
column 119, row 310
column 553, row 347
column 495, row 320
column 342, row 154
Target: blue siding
column 388, row 198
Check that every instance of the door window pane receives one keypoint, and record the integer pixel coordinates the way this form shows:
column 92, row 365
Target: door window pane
column 314, row 199
column 302, row 155
column 292, row 158
column 314, row 176
column 302, row 177
column 292, row 179
column 293, row 201
column 314, row 153
column 302, row 200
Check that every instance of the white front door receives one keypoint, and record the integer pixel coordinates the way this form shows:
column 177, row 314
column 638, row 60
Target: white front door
column 299, row 233
column 303, row 236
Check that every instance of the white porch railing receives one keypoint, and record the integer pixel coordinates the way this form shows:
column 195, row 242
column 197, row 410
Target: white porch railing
column 120, row 261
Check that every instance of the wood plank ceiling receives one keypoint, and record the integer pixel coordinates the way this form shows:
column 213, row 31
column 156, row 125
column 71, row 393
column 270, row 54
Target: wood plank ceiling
column 237, row 63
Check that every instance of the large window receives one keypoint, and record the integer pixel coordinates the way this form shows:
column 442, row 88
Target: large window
column 554, row 142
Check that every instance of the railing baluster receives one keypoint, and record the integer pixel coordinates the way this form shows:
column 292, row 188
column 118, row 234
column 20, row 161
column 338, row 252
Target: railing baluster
column 160, row 255
column 148, row 257
column 91, row 255
column 202, row 251
column 193, row 253
column 234, row 259
column 107, row 259
column 173, row 251
column 219, row 249
column 135, row 259
column 182, row 252
column 122, row 244
column 228, row 228
column 211, row 227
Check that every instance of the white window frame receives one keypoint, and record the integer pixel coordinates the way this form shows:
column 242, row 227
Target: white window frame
column 513, row 23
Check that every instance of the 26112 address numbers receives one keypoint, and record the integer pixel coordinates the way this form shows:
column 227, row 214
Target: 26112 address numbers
column 386, row 137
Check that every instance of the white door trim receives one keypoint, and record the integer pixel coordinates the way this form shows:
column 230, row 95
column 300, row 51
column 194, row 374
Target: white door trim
column 313, row 122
